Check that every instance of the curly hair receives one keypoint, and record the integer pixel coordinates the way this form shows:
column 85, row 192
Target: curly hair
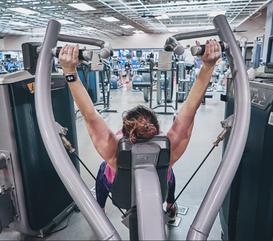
column 140, row 123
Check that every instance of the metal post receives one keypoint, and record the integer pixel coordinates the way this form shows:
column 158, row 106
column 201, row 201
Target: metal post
column 219, row 187
column 177, row 83
column 151, row 79
column 89, row 207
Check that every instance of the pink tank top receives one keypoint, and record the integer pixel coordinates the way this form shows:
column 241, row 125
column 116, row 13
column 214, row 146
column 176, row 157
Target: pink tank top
column 110, row 174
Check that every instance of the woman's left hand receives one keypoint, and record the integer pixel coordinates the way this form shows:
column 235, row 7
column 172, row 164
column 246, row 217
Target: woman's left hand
column 69, row 58
column 212, row 52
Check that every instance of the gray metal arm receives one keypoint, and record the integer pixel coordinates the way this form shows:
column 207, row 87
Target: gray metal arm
column 196, row 34
column 148, row 198
column 106, row 49
column 218, row 189
column 89, row 207
column 80, row 40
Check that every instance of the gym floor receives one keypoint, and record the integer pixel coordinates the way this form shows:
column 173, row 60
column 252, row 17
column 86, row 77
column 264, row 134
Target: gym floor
column 206, row 129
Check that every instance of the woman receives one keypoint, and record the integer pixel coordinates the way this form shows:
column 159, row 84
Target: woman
column 106, row 141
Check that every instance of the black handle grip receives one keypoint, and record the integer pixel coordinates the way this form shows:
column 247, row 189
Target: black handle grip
column 200, row 49
column 83, row 54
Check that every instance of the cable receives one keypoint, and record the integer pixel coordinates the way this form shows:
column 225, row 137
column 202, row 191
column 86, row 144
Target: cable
column 104, row 189
column 190, row 178
column 68, row 145
column 226, row 124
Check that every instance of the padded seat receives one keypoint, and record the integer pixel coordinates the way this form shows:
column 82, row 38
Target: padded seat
column 122, row 185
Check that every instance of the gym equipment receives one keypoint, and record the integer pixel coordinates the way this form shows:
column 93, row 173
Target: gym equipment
column 116, row 82
column 89, row 81
column 136, row 80
column 33, row 199
column 146, row 75
column 246, row 213
column 220, row 184
column 183, row 84
column 257, row 52
column 127, row 66
column 102, row 68
column 137, row 165
column 80, row 193
column 165, row 64
column 2, row 69
column 77, row 189
column 139, row 61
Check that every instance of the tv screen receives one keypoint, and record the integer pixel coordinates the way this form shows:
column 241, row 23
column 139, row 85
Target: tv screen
column 128, row 56
column 139, row 53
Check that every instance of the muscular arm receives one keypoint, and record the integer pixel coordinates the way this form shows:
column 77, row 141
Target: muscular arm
column 104, row 140
column 181, row 130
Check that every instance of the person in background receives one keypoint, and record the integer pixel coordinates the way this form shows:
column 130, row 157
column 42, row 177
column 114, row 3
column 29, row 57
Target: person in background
column 189, row 59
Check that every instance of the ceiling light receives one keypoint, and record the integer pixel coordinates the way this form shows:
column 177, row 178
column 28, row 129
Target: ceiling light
column 172, row 30
column 88, row 28
column 163, row 16
column 82, row 6
column 23, row 10
column 110, row 19
column 138, row 31
column 63, row 21
column 19, row 23
column 215, row 13
column 126, row 26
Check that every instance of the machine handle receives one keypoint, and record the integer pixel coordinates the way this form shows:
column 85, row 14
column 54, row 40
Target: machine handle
column 86, row 54
column 200, row 49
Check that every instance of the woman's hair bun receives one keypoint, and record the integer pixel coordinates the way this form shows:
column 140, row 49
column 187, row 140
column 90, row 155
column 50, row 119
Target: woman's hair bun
column 140, row 123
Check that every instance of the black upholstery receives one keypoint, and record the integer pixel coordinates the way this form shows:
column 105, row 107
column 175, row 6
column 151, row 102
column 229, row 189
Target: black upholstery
column 121, row 189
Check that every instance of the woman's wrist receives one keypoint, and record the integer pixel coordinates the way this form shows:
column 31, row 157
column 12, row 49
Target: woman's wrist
column 208, row 65
column 69, row 71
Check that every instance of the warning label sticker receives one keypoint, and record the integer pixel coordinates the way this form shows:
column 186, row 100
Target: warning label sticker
column 270, row 120
column 31, row 87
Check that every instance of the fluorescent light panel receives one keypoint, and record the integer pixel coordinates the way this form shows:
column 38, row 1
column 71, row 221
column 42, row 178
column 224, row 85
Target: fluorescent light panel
column 19, row 23
column 138, row 31
column 126, row 26
column 172, row 30
column 82, row 6
column 88, row 28
column 110, row 19
column 23, row 10
column 215, row 13
column 163, row 16
column 63, row 21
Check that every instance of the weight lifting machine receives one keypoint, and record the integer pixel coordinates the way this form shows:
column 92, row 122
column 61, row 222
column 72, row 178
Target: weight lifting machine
column 81, row 194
